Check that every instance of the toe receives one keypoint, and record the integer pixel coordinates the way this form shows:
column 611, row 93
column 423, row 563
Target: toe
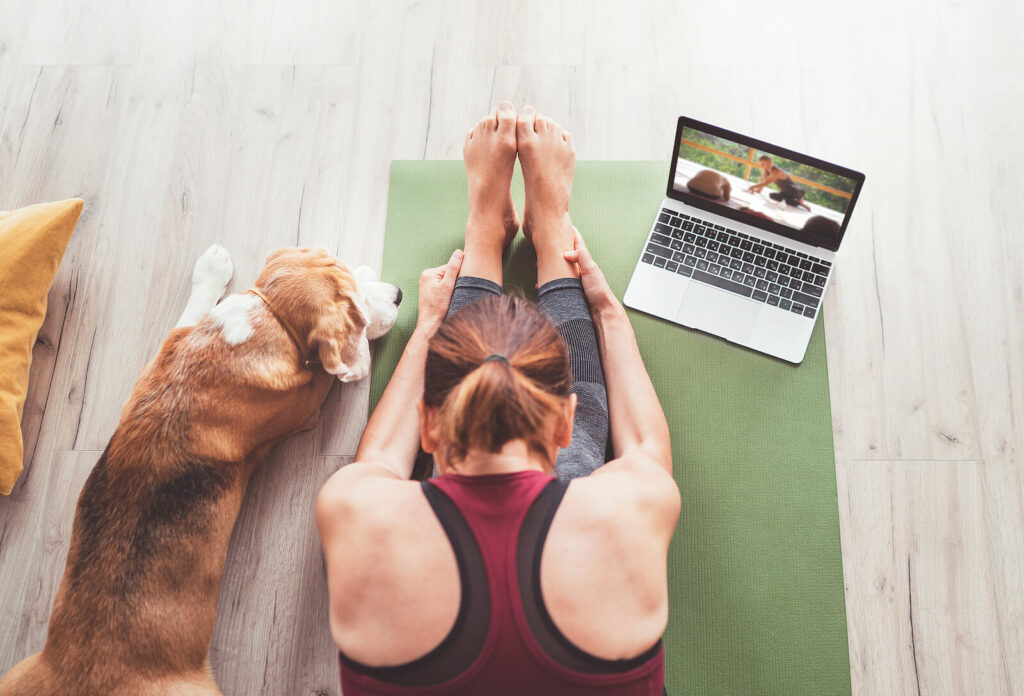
column 506, row 118
column 488, row 122
column 526, row 122
column 543, row 124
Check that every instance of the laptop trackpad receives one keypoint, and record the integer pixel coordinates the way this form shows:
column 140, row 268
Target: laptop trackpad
column 718, row 311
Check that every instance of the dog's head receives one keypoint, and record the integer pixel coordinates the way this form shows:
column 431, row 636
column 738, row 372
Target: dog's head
column 335, row 310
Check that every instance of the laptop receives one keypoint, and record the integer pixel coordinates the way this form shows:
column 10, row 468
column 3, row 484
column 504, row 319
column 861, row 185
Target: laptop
column 746, row 240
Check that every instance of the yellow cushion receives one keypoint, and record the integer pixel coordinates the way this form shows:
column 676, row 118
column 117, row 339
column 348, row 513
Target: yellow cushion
column 32, row 242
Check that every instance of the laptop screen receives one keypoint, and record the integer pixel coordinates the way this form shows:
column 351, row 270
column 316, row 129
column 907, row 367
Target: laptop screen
column 761, row 184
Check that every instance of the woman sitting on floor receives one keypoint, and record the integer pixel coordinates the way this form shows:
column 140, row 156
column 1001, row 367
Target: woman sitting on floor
column 529, row 565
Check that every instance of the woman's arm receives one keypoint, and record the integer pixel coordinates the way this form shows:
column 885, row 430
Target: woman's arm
column 392, row 435
column 638, row 425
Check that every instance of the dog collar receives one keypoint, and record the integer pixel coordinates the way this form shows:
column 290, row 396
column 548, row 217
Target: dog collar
column 307, row 363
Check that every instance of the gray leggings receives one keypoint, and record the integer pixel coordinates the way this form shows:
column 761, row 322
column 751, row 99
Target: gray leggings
column 563, row 301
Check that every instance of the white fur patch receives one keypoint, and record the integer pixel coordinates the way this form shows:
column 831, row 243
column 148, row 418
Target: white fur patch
column 233, row 316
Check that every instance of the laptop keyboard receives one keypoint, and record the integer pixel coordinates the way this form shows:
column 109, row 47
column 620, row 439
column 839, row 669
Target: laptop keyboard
column 734, row 261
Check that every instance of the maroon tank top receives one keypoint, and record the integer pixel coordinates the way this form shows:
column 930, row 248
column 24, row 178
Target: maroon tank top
column 503, row 641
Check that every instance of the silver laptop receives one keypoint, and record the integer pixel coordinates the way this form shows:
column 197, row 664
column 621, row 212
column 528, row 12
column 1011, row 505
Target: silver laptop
column 745, row 242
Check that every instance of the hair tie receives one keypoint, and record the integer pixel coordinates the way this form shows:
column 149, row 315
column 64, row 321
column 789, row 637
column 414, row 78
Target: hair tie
column 495, row 356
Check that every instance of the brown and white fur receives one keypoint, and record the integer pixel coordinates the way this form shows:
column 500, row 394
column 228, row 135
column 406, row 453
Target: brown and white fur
column 136, row 608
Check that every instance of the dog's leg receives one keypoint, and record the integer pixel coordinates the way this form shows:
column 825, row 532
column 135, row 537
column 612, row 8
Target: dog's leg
column 209, row 280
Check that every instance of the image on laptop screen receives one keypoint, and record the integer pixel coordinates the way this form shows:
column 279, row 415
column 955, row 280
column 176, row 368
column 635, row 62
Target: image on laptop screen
column 762, row 183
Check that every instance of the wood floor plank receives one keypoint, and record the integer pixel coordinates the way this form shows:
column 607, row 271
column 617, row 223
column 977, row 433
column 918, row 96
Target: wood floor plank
column 921, row 611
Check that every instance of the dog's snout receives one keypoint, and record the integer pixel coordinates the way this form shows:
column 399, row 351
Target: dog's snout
column 398, row 297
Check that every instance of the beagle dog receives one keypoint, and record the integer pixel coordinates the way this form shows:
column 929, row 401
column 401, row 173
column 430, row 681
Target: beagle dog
column 136, row 608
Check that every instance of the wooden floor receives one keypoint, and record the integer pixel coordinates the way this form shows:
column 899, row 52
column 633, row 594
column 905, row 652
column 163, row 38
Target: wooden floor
column 266, row 123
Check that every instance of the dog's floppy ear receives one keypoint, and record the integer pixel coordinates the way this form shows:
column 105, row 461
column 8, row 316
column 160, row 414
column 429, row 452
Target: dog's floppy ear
column 339, row 336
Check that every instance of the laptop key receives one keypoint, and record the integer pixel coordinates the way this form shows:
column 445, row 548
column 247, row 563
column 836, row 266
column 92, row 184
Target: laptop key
column 733, row 240
column 760, row 296
column 805, row 263
column 712, row 245
column 715, row 268
column 785, row 304
column 735, row 264
column 772, row 277
column 689, row 236
column 749, row 281
column 702, row 265
column 786, row 292
column 648, row 258
column 795, row 272
column 684, row 270
column 662, row 239
column 736, row 253
column 805, row 299
column 769, row 252
column 665, row 218
column 700, row 253
column 725, row 273
column 808, row 276
column 688, row 248
column 773, row 288
column 818, row 268
column 678, row 256
column 809, row 312
column 690, row 261
column 820, row 281
column 722, row 237
column 702, row 241
column 699, row 229
column 687, row 225
column 748, row 268
column 758, row 249
column 748, row 257
column 677, row 245
column 773, row 265
column 762, row 285
column 773, row 300
column 659, row 250
column 811, row 289
column 712, row 257
column 677, row 234
column 723, row 283
column 760, row 261
column 783, row 281
column 671, row 266
column 797, row 308
column 659, row 262
column 759, row 272
column 746, row 244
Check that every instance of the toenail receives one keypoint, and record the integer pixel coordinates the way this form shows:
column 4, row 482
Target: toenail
column 505, row 106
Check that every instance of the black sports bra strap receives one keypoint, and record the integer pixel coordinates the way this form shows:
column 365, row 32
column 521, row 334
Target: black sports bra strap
column 462, row 645
column 529, row 548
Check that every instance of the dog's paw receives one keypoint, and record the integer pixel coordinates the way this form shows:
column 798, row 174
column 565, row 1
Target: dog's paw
column 213, row 269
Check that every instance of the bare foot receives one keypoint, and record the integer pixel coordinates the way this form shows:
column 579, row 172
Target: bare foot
column 547, row 156
column 489, row 152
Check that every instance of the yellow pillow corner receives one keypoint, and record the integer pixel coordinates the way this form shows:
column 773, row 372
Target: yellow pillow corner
column 32, row 243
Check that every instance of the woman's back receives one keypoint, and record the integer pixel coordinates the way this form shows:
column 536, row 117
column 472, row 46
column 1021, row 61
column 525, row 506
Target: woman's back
column 560, row 593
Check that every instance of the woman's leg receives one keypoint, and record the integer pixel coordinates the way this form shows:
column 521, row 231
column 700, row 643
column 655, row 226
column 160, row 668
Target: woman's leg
column 547, row 157
column 489, row 152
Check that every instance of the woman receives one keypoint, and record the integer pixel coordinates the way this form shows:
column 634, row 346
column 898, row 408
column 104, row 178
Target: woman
column 788, row 190
column 498, row 577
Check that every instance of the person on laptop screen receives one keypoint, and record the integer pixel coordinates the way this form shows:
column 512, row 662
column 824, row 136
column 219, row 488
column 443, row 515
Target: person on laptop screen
column 788, row 191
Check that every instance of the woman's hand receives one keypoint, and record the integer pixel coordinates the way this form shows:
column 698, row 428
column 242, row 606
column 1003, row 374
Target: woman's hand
column 436, row 286
column 595, row 287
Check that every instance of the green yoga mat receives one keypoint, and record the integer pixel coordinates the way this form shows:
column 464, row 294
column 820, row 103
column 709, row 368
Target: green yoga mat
column 755, row 571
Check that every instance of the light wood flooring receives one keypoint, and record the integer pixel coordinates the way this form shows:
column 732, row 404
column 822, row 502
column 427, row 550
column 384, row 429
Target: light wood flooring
column 267, row 123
